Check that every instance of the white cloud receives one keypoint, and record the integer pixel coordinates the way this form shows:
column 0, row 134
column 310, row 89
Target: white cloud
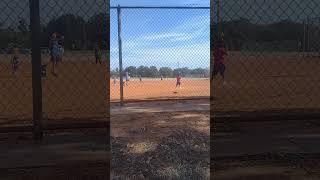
column 163, row 36
column 169, row 47
column 190, row 29
column 195, row 55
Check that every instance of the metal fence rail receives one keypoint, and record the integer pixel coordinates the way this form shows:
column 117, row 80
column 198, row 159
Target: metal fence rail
column 151, row 45
column 272, row 63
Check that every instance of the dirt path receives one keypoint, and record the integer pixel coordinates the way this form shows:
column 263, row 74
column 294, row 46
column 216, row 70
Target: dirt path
column 161, row 106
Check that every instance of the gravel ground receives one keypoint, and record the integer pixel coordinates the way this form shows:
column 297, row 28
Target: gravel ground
column 73, row 154
column 184, row 154
column 78, row 171
column 268, row 166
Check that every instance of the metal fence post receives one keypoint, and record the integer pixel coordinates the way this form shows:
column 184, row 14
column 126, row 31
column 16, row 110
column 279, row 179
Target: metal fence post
column 218, row 19
column 308, row 33
column 304, row 37
column 120, row 54
column 212, row 41
column 36, row 69
column 215, row 34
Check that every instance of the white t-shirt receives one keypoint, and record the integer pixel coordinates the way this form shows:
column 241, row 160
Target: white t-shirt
column 127, row 76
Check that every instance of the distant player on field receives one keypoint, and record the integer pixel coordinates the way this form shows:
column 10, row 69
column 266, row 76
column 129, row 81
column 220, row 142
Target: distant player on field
column 55, row 52
column 97, row 53
column 15, row 61
column 127, row 78
column 219, row 63
column 178, row 84
column 300, row 49
column 61, row 48
column 114, row 80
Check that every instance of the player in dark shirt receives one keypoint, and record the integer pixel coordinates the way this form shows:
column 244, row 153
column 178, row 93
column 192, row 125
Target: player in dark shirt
column 97, row 53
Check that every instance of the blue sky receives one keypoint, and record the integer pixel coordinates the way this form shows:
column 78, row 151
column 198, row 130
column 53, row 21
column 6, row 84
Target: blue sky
column 155, row 37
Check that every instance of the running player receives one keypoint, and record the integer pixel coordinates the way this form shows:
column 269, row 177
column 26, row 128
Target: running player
column 219, row 63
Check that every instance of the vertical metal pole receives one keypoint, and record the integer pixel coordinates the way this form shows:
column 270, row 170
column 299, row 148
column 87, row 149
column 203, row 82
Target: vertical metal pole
column 304, row 38
column 308, row 35
column 219, row 18
column 213, row 35
column 120, row 54
column 36, row 69
column 216, row 29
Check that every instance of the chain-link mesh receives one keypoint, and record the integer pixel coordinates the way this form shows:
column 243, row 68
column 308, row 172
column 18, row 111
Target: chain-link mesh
column 310, row 43
column 15, row 61
column 160, row 46
column 75, row 60
column 269, row 63
column 74, row 40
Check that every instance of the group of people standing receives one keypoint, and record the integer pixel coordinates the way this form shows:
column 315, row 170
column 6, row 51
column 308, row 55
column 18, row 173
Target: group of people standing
column 56, row 51
column 56, row 55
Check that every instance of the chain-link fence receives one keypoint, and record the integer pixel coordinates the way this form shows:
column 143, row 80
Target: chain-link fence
column 74, row 84
column 15, row 62
column 72, row 40
column 265, row 56
column 161, row 52
column 311, row 34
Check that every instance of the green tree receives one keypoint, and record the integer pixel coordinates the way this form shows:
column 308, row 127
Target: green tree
column 98, row 31
column 198, row 71
column 182, row 71
column 72, row 27
column 166, row 72
column 132, row 70
column 143, row 71
column 154, row 71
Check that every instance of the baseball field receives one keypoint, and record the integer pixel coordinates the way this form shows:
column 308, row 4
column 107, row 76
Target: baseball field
column 253, row 82
column 149, row 89
column 267, row 82
column 78, row 91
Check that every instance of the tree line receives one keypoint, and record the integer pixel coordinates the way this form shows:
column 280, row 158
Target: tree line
column 165, row 72
column 285, row 35
column 78, row 33
column 240, row 34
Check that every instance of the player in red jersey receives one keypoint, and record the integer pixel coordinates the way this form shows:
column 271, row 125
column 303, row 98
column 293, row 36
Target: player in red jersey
column 219, row 60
